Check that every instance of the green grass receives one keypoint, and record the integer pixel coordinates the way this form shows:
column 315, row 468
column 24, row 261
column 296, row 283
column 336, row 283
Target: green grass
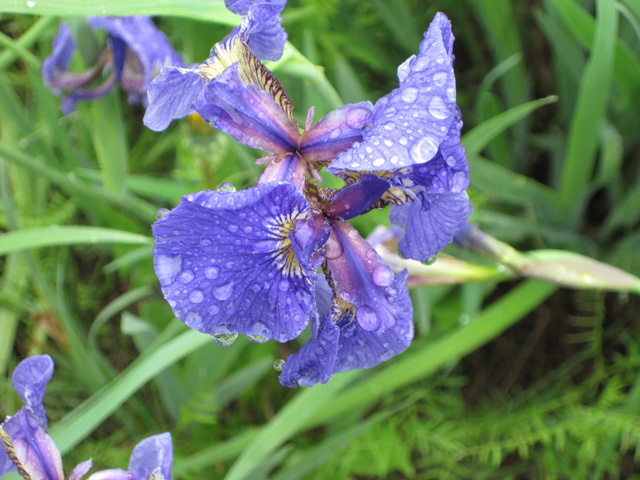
column 506, row 378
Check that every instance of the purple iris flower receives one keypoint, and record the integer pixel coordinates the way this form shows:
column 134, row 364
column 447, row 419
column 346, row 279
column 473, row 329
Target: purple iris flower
column 246, row 262
column 135, row 54
column 31, row 451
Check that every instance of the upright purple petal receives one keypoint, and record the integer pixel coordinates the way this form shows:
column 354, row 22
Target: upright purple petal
column 410, row 123
column 113, row 474
column 262, row 30
column 30, row 448
column 430, row 223
column 362, row 278
column 171, row 96
column 336, row 132
column 226, row 264
column 81, row 470
column 247, row 113
column 30, row 380
column 151, row 454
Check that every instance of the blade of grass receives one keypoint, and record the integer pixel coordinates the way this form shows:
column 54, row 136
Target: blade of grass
column 29, row 238
column 84, row 419
column 26, row 40
column 593, row 96
column 208, row 10
column 416, row 365
column 289, row 420
column 476, row 139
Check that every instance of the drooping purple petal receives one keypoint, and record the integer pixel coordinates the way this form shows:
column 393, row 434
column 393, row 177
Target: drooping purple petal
column 68, row 103
column 152, row 453
column 226, row 264
column 171, row 96
column 362, row 278
column 30, row 448
column 355, row 199
column 360, row 348
column 30, row 380
column 336, row 132
column 241, row 7
column 314, row 362
column 410, row 123
column 81, row 470
column 430, row 223
column 145, row 45
column 57, row 63
column 247, row 113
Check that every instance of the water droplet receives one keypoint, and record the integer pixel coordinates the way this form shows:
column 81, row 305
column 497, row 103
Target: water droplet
column 283, row 286
column 94, row 240
column 371, row 254
column 190, row 197
column 224, row 292
column 464, row 320
column 161, row 213
column 233, row 228
column 440, row 78
column 186, row 276
column 409, row 94
column 205, row 242
column 438, row 108
column 451, row 94
column 334, row 133
column 226, row 187
column 388, row 143
column 334, row 249
column 440, row 59
column 278, row 365
column 258, row 338
column 389, row 126
column 382, row 276
column 392, row 299
column 211, row 272
column 367, row 318
column 423, row 150
column 213, row 309
column 403, row 140
column 225, row 339
column 432, row 260
column 378, row 162
column 196, row 296
column 31, row 4
column 247, row 229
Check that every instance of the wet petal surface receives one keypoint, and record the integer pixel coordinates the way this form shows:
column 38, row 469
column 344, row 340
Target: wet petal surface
column 153, row 453
column 30, row 380
column 226, row 264
column 410, row 123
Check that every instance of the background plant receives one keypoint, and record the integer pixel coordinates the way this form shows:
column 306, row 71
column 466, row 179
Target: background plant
column 555, row 396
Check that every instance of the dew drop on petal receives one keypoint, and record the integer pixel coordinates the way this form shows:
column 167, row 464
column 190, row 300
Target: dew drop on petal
column 451, row 94
column 283, row 286
column 278, row 365
column 440, row 78
column 186, row 276
column 438, row 108
column 371, row 254
column 225, row 339
column 224, row 292
column 409, row 94
column 334, row 249
column 211, row 272
column 382, row 276
column 196, row 296
column 378, row 162
column 389, row 126
column 213, row 309
column 257, row 338
column 367, row 318
column 161, row 213
column 233, row 228
column 226, row 187
column 335, row 133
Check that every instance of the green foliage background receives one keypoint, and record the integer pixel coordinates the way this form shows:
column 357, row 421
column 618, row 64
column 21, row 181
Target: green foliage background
column 504, row 379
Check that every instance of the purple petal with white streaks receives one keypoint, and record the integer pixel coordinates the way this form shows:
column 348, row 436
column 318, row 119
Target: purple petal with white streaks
column 226, row 264
column 247, row 113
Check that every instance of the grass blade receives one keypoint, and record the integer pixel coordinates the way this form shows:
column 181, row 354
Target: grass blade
column 66, row 235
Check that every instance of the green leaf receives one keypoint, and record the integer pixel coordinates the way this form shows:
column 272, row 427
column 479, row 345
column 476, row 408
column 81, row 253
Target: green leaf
column 593, row 96
column 209, row 10
column 29, row 238
column 290, row 420
column 416, row 365
column 476, row 139
column 83, row 420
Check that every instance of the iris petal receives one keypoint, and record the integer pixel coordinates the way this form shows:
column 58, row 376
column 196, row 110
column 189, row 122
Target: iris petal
column 336, row 132
column 410, row 123
column 30, row 380
column 153, row 453
column 31, row 449
column 247, row 113
column 226, row 264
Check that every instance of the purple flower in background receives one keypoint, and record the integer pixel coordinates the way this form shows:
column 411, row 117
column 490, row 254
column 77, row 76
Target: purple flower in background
column 31, row 451
column 245, row 262
column 135, row 54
